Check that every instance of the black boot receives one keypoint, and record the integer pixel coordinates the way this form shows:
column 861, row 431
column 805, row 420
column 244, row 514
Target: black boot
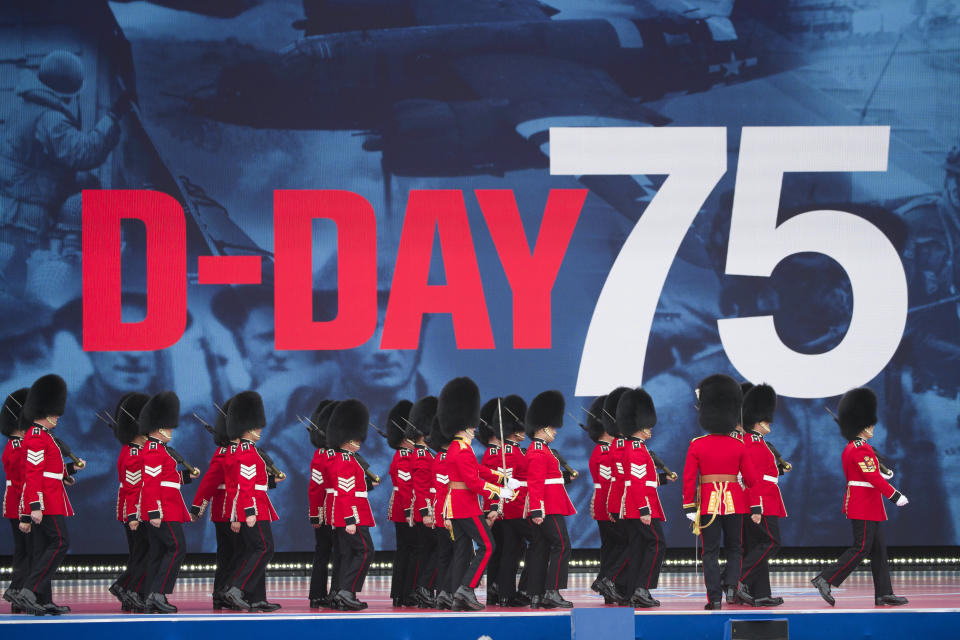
column 824, row 588
column 317, row 603
column 347, row 601
column 731, row 594
column 892, row 600
column 444, row 601
column 553, row 600
column 641, row 598
column 522, row 598
column 234, row 598
column 137, row 605
column 714, row 606
column 265, row 606
column 55, row 609
column 609, row 590
column 536, row 602
column 464, row 599
column 742, row 594
column 767, row 602
column 157, row 603
column 425, row 599
column 27, row 600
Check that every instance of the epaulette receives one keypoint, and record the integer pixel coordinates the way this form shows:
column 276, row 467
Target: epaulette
column 756, row 438
column 604, row 447
column 858, row 443
column 222, row 451
column 346, row 456
column 538, row 446
column 331, row 453
column 637, row 444
column 36, row 431
column 421, row 453
column 134, row 449
column 404, row 453
column 154, row 445
column 16, row 443
column 508, row 448
column 620, row 442
column 463, row 445
column 703, row 436
column 245, row 446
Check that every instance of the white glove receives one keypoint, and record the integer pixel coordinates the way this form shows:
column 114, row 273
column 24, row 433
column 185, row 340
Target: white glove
column 514, row 484
column 692, row 516
column 887, row 476
column 506, row 493
column 902, row 501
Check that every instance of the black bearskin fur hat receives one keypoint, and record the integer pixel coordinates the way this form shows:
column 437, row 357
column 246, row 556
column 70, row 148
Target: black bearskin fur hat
column 594, row 425
column 608, row 416
column 162, row 411
column 245, row 414
column 129, row 407
column 719, row 399
column 220, row 436
column 546, row 410
column 348, row 421
column 759, row 403
column 421, row 416
column 317, row 437
column 47, row 397
column 486, row 430
column 12, row 406
column 857, row 411
column 459, row 406
column 635, row 412
column 397, row 423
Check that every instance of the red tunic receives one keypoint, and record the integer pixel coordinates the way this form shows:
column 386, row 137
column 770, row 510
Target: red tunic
column 766, row 493
column 468, row 482
column 717, row 454
column 160, row 491
column 640, row 496
column 517, row 468
column 491, row 460
column 601, row 470
column 350, row 504
column 866, row 488
column 422, row 481
column 250, row 478
column 14, row 456
column 130, row 474
column 547, row 495
column 317, row 489
column 401, row 474
column 43, row 475
column 441, row 482
column 213, row 487
column 617, row 454
column 328, row 485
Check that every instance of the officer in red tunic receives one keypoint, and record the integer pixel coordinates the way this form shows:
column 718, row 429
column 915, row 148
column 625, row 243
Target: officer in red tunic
column 316, row 496
column 161, row 501
column 251, row 512
column 418, row 426
column 641, row 511
column 547, row 504
column 459, row 413
column 619, row 531
column 130, row 474
column 863, row 501
column 13, row 468
column 712, row 496
column 762, row 535
column 352, row 517
column 443, row 582
column 601, row 471
column 44, row 506
column 489, row 437
column 400, row 507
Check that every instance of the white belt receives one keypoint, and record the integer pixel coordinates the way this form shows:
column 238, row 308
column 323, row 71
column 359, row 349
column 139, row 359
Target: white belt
column 396, row 488
column 773, row 479
column 553, row 481
column 523, row 483
column 172, row 485
column 221, row 486
column 331, row 490
column 859, row 483
column 652, row 483
column 596, row 485
column 627, row 483
column 361, row 494
column 9, row 483
column 55, row 476
column 260, row 487
column 433, row 490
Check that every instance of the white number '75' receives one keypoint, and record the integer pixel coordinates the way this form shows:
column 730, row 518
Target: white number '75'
column 694, row 160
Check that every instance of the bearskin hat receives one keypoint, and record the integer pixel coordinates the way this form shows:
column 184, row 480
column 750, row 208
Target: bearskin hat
column 245, row 414
column 129, row 407
column 436, row 439
column 594, row 425
column 719, row 400
column 220, row 436
column 608, row 415
column 397, row 423
column 10, row 413
column 348, row 421
column 458, row 406
column 47, row 397
column 486, row 429
column 162, row 411
column 759, row 403
column 635, row 411
column 857, row 411
column 317, row 436
column 514, row 411
column 546, row 410
column 421, row 416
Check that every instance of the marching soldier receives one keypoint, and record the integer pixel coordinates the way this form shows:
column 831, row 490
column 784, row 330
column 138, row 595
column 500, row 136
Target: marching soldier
column 14, row 456
column 601, row 472
column 252, row 511
column 401, row 505
column 443, row 583
column 352, row 517
column 316, row 496
column 712, row 496
column 516, row 529
column 161, row 501
column 762, row 534
column 130, row 472
column 488, row 435
column 863, row 501
column 548, row 504
column 44, row 506
column 421, row 417
column 641, row 510
column 459, row 413
column 615, row 587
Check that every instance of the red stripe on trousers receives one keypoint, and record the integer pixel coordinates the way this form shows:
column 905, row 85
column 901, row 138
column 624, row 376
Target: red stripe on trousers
column 562, row 547
column 486, row 555
column 863, row 542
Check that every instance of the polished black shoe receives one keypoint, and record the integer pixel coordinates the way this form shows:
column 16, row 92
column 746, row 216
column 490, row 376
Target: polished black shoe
column 523, row 598
column 767, row 602
column 742, row 594
column 493, row 592
column 55, row 609
column 554, row 600
column 136, row 603
column 824, row 588
column 464, row 599
column 157, row 603
column 730, row 593
column 713, row 606
column 118, row 592
column 27, row 600
column 536, row 602
column 444, row 601
column 595, row 586
column 318, row 603
column 347, row 601
column 425, row 599
column 609, row 590
column 233, row 597
column 891, row 600
column 642, row 599
column 10, row 595
column 264, row 606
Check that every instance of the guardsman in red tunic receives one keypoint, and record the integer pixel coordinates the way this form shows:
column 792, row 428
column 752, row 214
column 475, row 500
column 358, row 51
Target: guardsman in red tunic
column 44, row 506
column 213, row 492
column 712, row 496
column 459, row 414
column 618, row 528
column 401, row 505
column 601, row 472
column 443, row 583
column 352, row 517
column 547, row 504
column 161, row 501
column 636, row 417
column 126, row 588
column 251, row 513
column 316, row 497
column 863, row 501
column 14, row 456
column 762, row 531
column 488, row 436
column 418, row 426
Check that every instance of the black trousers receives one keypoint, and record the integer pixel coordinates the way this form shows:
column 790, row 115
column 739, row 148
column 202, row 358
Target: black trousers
column 404, row 561
column 549, row 556
column 731, row 528
column 619, row 558
column 647, row 549
column 467, row 566
column 229, row 556
column 426, row 556
column 167, row 551
column 251, row 577
column 515, row 532
column 356, row 555
column 493, row 567
column 50, row 544
column 138, row 545
column 22, row 554
column 868, row 540
column 322, row 549
column 443, row 580
column 761, row 542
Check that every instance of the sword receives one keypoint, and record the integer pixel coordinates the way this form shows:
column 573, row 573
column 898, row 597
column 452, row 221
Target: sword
column 503, row 458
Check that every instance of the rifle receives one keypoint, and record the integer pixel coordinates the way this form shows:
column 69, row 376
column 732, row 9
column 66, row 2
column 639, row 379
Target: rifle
column 267, row 460
column 78, row 463
column 360, row 459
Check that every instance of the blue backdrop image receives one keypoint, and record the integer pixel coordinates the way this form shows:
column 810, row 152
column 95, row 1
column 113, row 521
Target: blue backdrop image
column 822, row 142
